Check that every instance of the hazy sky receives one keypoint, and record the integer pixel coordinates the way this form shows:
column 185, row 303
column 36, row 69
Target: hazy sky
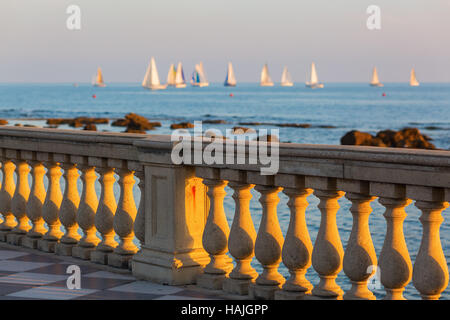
column 121, row 36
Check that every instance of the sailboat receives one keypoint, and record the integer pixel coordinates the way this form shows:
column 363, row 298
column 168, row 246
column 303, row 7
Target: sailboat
column 375, row 81
column 230, row 80
column 171, row 75
column 314, row 80
column 151, row 79
column 286, row 79
column 412, row 80
column 179, row 77
column 266, row 81
column 198, row 76
column 97, row 80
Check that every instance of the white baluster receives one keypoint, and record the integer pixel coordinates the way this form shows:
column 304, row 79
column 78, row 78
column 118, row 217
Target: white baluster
column 360, row 259
column 394, row 263
column 430, row 272
column 328, row 252
column 241, row 241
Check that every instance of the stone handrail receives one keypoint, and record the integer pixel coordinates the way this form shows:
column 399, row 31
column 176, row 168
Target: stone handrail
column 181, row 223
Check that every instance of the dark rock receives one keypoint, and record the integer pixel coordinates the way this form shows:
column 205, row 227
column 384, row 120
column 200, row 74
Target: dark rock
column 135, row 123
column 294, row 125
column 268, row 138
column 215, row 121
column 182, row 125
column 3, row 122
column 90, row 127
column 358, row 138
column 241, row 130
column 129, row 130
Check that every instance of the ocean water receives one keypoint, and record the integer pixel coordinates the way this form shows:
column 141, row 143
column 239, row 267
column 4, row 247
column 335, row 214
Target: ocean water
column 343, row 106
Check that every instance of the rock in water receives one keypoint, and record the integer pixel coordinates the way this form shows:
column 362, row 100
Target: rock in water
column 358, row 138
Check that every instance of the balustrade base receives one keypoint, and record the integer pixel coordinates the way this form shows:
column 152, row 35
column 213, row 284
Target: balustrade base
column 82, row 252
column 31, row 243
column 3, row 235
column 237, row 286
column 100, row 257
column 47, row 245
column 211, row 281
column 64, row 249
column 119, row 260
column 15, row 239
column 291, row 295
column 260, row 292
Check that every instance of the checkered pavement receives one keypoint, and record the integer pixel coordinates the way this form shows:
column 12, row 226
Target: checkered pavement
column 26, row 275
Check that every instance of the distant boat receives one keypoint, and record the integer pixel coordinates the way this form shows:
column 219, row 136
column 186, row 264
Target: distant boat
column 266, row 81
column 199, row 77
column 151, row 79
column 171, row 76
column 412, row 80
column 230, row 80
column 97, row 81
column 286, row 79
column 179, row 77
column 375, row 81
column 314, row 80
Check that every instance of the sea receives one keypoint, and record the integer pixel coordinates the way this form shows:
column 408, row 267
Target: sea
column 329, row 112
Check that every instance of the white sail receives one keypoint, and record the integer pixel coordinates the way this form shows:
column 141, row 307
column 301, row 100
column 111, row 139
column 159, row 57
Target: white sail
column 230, row 80
column 412, row 79
column 151, row 78
column 199, row 77
column 314, row 79
column 171, row 75
column 98, row 79
column 266, row 81
column 179, row 77
column 286, row 79
column 375, row 82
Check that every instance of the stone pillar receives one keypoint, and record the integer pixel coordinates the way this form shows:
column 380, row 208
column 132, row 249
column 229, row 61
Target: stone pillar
column 430, row 272
column 86, row 215
column 175, row 217
column 19, row 203
column 104, row 217
column 215, row 238
column 268, row 246
column 297, row 248
column 360, row 259
column 328, row 252
column 394, row 263
column 6, row 195
column 241, row 242
column 50, row 209
column 68, row 211
column 34, row 206
column 123, row 222
column 139, row 223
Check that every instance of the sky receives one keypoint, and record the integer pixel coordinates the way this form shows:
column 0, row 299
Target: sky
column 121, row 37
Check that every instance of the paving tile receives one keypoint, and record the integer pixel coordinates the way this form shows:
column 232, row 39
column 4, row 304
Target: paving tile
column 95, row 283
column 110, row 275
column 116, row 295
column 147, row 287
column 61, row 269
column 36, row 258
column 176, row 297
column 6, row 288
column 195, row 294
column 9, row 254
column 51, row 293
column 20, row 266
column 33, row 279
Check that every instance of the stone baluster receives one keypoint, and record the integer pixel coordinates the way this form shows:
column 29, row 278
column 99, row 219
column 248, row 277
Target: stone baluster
column 268, row 245
column 68, row 211
column 430, row 272
column 394, row 263
column 297, row 248
column 124, row 222
column 19, row 203
column 360, row 259
column 241, row 241
column 50, row 209
column 139, row 223
column 328, row 252
column 215, row 238
column 104, row 217
column 34, row 206
column 6, row 195
column 86, row 214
